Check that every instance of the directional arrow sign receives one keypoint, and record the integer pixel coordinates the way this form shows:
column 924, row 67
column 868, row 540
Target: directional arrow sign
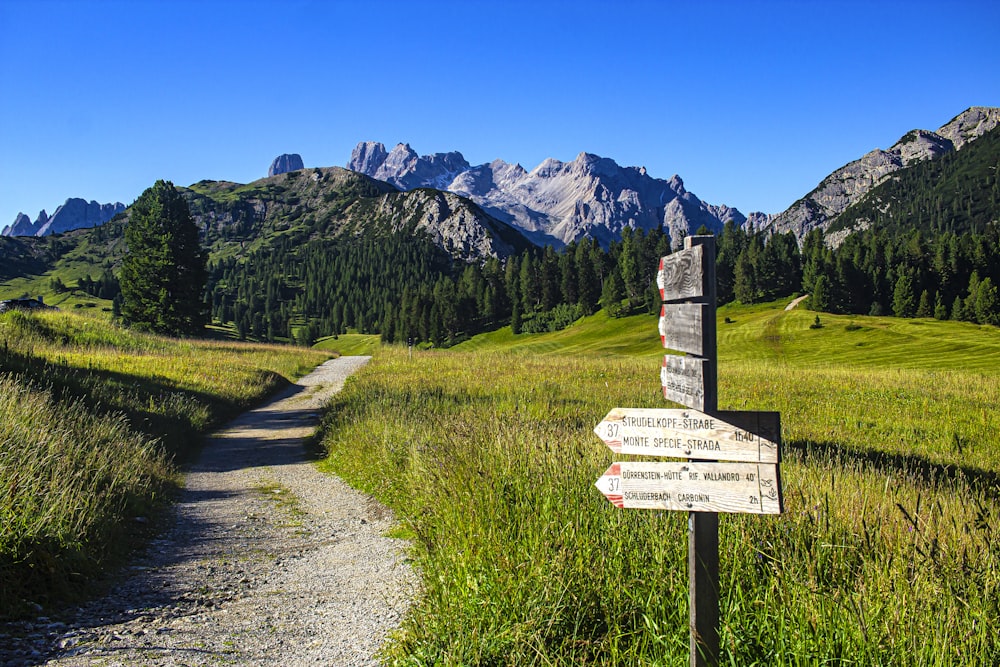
column 681, row 275
column 690, row 434
column 681, row 326
column 739, row 488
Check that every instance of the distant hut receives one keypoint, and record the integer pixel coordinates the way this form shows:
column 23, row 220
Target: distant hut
column 24, row 303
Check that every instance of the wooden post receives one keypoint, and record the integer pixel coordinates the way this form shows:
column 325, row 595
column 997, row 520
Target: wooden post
column 703, row 527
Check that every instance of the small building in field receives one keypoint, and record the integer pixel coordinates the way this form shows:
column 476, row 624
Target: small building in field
column 24, row 303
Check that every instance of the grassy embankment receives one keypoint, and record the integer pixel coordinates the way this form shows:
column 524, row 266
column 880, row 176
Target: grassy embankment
column 888, row 552
column 92, row 419
column 350, row 344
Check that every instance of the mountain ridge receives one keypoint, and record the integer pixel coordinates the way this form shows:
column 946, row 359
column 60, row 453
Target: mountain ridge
column 848, row 184
column 74, row 213
column 556, row 202
column 333, row 201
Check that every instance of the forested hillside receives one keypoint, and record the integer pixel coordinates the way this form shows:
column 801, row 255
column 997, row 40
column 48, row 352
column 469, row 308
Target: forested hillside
column 947, row 276
column 958, row 192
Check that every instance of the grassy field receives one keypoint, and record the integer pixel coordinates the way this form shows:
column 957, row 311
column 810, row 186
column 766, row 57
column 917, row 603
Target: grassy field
column 888, row 552
column 93, row 419
column 350, row 344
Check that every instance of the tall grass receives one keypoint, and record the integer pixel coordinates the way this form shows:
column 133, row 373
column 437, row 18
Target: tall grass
column 71, row 484
column 887, row 553
column 92, row 420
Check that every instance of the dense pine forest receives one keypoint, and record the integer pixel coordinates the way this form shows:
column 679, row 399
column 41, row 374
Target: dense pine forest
column 947, row 276
column 405, row 288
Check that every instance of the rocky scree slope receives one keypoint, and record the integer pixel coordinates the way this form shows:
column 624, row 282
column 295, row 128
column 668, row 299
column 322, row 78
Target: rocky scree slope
column 847, row 185
column 556, row 202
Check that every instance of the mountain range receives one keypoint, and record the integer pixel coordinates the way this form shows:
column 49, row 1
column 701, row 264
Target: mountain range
column 559, row 202
column 556, row 202
column 75, row 213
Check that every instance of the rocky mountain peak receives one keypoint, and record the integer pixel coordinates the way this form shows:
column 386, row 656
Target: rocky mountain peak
column 75, row 213
column 677, row 185
column 556, row 202
column 21, row 227
column 850, row 183
column 969, row 125
column 367, row 157
column 920, row 145
column 285, row 163
column 404, row 168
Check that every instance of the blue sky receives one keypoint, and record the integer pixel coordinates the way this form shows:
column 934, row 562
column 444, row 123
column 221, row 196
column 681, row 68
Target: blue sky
column 751, row 103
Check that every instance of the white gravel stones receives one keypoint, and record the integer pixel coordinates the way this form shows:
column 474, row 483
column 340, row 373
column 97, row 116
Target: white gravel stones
column 268, row 561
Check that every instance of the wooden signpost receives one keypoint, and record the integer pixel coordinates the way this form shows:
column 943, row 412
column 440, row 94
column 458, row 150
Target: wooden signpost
column 683, row 380
column 744, row 488
column 690, row 434
column 732, row 457
column 681, row 324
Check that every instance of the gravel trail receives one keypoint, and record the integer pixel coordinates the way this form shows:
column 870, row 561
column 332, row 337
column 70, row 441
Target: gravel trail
column 267, row 561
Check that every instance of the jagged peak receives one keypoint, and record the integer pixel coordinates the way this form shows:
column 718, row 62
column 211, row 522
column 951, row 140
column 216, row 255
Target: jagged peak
column 403, row 148
column 557, row 201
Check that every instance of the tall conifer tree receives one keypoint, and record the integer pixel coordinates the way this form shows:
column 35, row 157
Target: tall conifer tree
column 163, row 273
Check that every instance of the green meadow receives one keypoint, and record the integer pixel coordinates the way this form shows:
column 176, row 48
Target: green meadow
column 94, row 420
column 888, row 552
column 349, row 344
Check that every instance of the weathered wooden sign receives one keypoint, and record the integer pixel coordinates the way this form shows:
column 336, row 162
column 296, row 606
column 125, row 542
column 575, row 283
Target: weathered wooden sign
column 740, row 488
column 702, row 487
column 682, row 275
column 690, row 434
column 681, row 327
column 683, row 380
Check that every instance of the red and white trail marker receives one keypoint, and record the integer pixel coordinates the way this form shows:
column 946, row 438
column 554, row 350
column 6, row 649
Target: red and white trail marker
column 736, row 488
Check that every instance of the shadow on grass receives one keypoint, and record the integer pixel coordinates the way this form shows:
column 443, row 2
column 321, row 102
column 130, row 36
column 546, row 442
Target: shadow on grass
column 141, row 399
column 917, row 467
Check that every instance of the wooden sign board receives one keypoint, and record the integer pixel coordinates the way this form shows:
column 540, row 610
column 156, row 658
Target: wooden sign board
column 690, row 434
column 682, row 275
column 735, row 488
column 683, row 380
column 681, row 327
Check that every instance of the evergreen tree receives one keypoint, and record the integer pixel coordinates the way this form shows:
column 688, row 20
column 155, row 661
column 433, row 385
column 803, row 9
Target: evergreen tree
column 529, row 285
column 924, row 309
column 958, row 310
column 588, row 284
column 630, row 264
column 613, row 293
column 940, row 309
column 969, row 309
column 987, row 303
column 515, row 317
column 904, row 301
column 820, row 297
column 548, row 275
column 731, row 242
column 745, row 278
column 164, row 270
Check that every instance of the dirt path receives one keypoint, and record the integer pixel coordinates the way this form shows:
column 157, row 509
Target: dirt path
column 268, row 561
column 795, row 302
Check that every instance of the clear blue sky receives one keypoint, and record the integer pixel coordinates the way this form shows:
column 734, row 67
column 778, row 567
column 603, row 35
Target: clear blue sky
column 751, row 103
